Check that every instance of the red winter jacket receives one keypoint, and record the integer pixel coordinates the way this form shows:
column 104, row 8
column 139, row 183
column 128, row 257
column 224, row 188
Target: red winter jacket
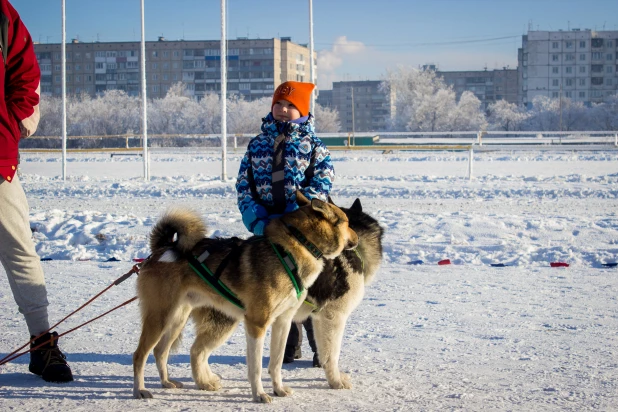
column 19, row 90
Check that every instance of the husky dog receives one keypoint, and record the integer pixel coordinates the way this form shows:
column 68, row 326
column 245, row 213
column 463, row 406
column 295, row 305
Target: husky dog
column 260, row 290
column 338, row 291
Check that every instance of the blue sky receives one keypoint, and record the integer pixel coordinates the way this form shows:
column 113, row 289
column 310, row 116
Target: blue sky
column 355, row 39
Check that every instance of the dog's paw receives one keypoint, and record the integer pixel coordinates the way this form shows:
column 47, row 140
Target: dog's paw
column 142, row 394
column 283, row 391
column 171, row 384
column 262, row 398
column 344, row 382
column 213, row 385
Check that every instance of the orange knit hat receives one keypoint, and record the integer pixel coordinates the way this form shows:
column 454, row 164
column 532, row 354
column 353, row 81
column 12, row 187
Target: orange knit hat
column 297, row 93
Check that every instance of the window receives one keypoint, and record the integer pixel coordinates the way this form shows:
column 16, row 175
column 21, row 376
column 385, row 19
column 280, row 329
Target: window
column 596, row 68
column 155, row 77
column 176, row 53
column 78, row 55
column 609, row 82
column 610, row 43
column 110, row 54
column 582, row 95
column 609, row 56
column 46, row 67
column 57, row 67
column 554, row 45
column 111, row 66
column 582, row 82
column 554, row 94
column 166, row 54
column 554, row 82
column 166, row 77
column 597, row 55
column 155, row 53
column 78, row 78
column 554, row 70
column 609, row 69
column 569, row 82
column 569, row 44
column 56, row 56
column 569, row 95
column 132, row 65
column 166, row 66
column 88, row 67
column 582, row 69
column 155, row 88
column 78, row 67
column 569, row 69
column 569, row 57
column 99, row 65
column 596, row 81
column 582, row 57
column 99, row 54
column 554, row 57
column 582, row 44
column 154, row 65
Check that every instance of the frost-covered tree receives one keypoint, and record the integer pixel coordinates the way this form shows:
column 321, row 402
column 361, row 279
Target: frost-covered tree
column 169, row 114
column 468, row 115
column 50, row 108
column 506, row 116
column 326, row 119
column 604, row 116
column 246, row 116
column 425, row 103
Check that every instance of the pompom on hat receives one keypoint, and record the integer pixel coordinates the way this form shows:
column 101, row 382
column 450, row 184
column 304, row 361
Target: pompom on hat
column 297, row 93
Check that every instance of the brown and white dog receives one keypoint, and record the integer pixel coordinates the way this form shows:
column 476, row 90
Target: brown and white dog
column 170, row 291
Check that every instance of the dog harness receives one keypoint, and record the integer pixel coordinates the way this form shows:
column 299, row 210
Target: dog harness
column 199, row 266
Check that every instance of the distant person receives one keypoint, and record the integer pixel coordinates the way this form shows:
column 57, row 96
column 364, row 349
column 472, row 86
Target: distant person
column 19, row 117
column 287, row 156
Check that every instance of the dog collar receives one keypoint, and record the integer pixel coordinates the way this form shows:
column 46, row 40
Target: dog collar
column 313, row 249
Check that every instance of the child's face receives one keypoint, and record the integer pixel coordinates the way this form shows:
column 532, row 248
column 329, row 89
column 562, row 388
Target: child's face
column 285, row 111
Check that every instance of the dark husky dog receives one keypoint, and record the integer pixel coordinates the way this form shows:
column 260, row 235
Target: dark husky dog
column 338, row 291
column 260, row 290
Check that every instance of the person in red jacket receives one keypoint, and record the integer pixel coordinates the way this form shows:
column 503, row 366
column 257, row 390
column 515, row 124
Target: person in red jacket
column 19, row 117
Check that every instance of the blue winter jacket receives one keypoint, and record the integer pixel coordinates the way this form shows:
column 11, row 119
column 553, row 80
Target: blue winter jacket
column 300, row 143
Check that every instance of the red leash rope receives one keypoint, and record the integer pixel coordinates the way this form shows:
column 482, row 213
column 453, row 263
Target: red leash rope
column 14, row 355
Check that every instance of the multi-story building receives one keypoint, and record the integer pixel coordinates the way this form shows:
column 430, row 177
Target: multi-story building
column 255, row 67
column 362, row 105
column 488, row 86
column 577, row 64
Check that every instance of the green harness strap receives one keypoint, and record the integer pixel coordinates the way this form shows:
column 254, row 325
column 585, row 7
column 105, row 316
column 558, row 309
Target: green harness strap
column 290, row 267
column 207, row 276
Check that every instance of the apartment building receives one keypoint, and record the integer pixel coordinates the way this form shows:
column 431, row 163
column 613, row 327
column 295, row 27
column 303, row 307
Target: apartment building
column 255, row 67
column 577, row 64
column 488, row 86
column 362, row 105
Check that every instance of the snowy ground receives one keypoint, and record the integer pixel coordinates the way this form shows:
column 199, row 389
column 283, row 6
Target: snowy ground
column 464, row 336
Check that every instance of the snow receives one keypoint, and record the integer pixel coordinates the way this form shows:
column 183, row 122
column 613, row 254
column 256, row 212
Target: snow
column 465, row 336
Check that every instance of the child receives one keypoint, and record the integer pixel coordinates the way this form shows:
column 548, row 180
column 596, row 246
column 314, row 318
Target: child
column 287, row 156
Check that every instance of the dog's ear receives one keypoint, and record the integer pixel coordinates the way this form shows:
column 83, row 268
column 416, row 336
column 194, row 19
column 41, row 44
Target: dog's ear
column 301, row 200
column 357, row 205
column 320, row 206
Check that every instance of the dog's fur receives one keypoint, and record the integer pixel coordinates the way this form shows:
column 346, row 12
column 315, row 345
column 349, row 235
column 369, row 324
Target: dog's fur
column 170, row 291
column 339, row 289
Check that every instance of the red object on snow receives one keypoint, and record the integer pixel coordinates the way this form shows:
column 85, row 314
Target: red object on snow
column 559, row 265
column 444, row 262
column 138, row 260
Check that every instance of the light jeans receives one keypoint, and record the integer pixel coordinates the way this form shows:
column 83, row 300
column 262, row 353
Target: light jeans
column 19, row 257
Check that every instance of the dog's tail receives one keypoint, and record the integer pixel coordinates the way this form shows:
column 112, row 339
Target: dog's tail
column 178, row 228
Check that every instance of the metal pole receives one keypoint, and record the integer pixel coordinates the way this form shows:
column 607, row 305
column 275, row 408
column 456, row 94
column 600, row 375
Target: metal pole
column 63, row 50
column 144, row 98
column 470, row 162
column 353, row 122
column 311, row 67
column 223, row 93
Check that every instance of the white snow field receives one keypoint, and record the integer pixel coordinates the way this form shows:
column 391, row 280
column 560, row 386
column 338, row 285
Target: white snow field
column 465, row 336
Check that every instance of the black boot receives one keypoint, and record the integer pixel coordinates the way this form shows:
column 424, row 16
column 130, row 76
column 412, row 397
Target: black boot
column 288, row 355
column 48, row 362
column 316, row 361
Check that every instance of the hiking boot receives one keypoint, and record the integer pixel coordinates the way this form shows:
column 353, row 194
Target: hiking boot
column 288, row 355
column 48, row 361
column 316, row 360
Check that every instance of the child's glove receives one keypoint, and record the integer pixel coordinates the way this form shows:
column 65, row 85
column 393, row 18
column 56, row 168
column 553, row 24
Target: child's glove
column 251, row 217
column 259, row 227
